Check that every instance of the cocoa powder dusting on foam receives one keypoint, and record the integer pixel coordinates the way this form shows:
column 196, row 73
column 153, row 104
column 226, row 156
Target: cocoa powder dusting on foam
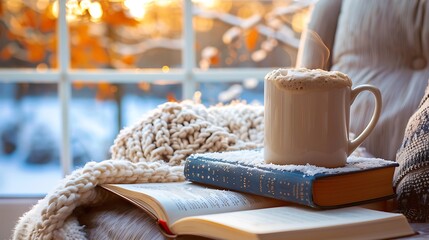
column 304, row 79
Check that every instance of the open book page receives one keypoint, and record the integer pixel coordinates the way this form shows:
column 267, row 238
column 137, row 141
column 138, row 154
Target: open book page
column 343, row 222
column 189, row 199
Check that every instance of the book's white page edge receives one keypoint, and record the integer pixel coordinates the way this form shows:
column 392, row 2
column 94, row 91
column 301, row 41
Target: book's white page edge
column 298, row 221
column 185, row 199
column 145, row 205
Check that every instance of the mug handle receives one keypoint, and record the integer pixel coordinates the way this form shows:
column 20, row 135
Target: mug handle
column 353, row 144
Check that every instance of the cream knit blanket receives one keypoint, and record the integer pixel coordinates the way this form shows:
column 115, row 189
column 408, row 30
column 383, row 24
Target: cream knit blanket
column 152, row 150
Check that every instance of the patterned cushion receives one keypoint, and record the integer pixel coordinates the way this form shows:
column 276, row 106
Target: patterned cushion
column 412, row 176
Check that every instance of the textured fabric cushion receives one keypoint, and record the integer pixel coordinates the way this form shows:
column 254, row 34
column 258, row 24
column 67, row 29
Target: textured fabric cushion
column 380, row 43
column 412, row 177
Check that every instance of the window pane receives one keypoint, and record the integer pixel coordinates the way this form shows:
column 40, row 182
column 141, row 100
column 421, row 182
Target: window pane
column 27, row 34
column 248, row 33
column 250, row 90
column 29, row 138
column 125, row 34
column 99, row 111
column 143, row 97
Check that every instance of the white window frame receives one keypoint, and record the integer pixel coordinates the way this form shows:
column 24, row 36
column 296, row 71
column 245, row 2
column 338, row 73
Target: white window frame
column 189, row 75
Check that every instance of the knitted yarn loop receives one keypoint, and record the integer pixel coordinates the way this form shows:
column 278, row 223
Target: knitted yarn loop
column 152, row 150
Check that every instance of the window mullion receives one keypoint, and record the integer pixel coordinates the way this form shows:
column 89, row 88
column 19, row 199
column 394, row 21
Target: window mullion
column 26, row 75
column 188, row 50
column 124, row 76
column 64, row 87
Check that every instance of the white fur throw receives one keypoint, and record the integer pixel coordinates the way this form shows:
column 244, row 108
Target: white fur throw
column 152, row 150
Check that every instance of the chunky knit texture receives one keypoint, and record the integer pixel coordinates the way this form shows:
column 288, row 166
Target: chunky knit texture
column 152, row 150
column 412, row 177
column 174, row 131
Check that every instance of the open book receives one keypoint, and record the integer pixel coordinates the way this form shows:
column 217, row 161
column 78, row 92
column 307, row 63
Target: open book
column 190, row 209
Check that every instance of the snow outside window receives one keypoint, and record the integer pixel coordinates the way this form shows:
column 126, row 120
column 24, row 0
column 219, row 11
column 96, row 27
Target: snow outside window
column 73, row 73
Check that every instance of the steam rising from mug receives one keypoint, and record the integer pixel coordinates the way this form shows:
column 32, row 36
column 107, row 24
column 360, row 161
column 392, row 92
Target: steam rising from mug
column 319, row 57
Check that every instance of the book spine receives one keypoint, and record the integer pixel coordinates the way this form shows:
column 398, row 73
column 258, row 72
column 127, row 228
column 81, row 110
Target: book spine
column 276, row 184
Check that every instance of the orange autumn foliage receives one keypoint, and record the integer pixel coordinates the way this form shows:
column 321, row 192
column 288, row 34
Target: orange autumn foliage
column 251, row 38
column 78, row 85
column 42, row 40
column 53, row 61
column 114, row 16
column 47, row 24
column 79, row 58
column 99, row 54
column 214, row 60
column 29, row 19
column 89, row 48
column 170, row 97
column 87, row 51
column 51, row 45
column 105, row 91
column 81, row 35
column 5, row 53
column 36, row 52
column 128, row 59
column 10, row 36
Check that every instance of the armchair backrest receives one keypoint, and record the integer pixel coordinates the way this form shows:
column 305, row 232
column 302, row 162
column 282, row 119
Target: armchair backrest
column 384, row 43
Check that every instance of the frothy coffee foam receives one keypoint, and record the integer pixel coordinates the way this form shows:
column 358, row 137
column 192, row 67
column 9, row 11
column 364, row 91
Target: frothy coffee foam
column 304, row 79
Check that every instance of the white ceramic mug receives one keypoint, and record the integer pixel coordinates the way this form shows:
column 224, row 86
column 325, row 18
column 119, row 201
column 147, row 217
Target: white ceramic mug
column 307, row 115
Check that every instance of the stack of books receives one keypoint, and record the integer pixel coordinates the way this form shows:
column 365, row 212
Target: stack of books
column 361, row 180
column 235, row 195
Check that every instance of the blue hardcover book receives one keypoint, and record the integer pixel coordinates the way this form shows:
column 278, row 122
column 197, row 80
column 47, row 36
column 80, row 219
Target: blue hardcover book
column 362, row 180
